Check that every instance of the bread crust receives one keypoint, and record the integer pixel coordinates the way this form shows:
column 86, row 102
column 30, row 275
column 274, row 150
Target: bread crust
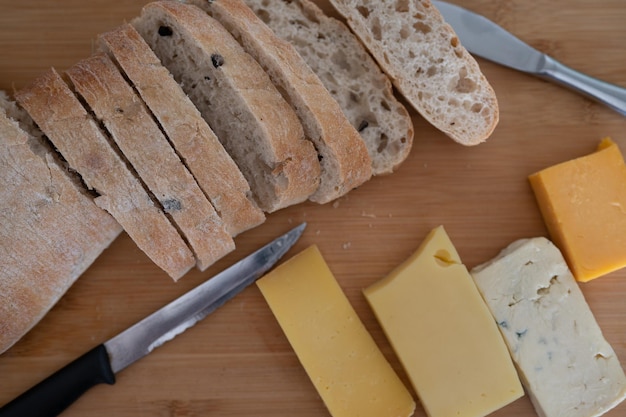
column 124, row 115
column 236, row 97
column 344, row 158
column 216, row 173
column 51, row 231
column 63, row 119
column 349, row 73
column 424, row 59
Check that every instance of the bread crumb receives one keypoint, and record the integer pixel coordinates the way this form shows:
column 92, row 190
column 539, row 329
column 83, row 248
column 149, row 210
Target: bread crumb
column 371, row 215
column 346, row 245
column 336, row 204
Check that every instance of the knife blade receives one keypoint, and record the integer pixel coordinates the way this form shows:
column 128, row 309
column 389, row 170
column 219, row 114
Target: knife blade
column 486, row 39
column 54, row 394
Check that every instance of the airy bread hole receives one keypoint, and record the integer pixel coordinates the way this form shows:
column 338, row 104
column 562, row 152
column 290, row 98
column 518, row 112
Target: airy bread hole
column 422, row 27
column 402, row 6
column 405, row 32
column 376, row 29
column 309, row 14
column 465, row 84
column 454, row 41
column 264, row 15
column 432, row 70
column 340, row 59
column 477, row 107
column 299, row 22
column 382, row 143
column 365, row 12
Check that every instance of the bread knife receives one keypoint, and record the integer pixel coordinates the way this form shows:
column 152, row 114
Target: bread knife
column 484, row 38
column 54, row 394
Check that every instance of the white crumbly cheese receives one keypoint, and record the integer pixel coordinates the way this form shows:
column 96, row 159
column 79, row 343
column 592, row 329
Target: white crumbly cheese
column 565, row 364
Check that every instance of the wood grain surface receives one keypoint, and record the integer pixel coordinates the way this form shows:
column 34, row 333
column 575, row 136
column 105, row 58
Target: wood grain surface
column 237, row 362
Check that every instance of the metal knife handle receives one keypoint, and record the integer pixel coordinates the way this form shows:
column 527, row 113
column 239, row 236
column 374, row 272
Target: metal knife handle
column 57, row 392
column 611, row 95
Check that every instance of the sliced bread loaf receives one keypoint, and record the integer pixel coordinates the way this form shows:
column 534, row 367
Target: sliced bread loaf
column 114, row 103
column 344, row 157
column 349, row 73
column 63, row 119
column 426, row 62
column 205, row 157
column 51, row 230
column 249, row 116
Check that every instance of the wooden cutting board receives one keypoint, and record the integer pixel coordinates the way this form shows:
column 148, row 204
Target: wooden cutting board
column 237, row 362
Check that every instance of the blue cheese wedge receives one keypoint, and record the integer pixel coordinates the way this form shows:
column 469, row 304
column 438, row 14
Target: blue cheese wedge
column 565, row 364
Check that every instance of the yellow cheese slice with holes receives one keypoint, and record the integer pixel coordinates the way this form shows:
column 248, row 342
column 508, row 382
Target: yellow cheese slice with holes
column 583, row 203
column 342, row 360
column 444, row 334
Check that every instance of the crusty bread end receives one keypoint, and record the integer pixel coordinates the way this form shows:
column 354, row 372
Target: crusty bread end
column 428, row 65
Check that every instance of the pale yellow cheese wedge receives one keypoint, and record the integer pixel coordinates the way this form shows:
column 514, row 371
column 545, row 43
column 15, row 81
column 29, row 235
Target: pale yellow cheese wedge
column 583, row 203
column 342, row 360
column 444, row 334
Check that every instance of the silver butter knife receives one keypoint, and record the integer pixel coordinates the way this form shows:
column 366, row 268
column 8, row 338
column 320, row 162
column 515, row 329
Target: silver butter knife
column 484, row 38
column 98, row 366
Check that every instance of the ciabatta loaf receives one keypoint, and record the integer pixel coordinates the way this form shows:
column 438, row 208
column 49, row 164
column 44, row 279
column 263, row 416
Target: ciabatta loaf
column 64, row 120
column 235, row 95
column 426, row 62
column 114, row 103
column 51, row 231
column 344, row 158
column 349, row 73
column 194, row 141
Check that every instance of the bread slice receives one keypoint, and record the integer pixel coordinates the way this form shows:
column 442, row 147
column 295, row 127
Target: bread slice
column 426, row 62
column 250, row 117
column 66, row 123
column 216, row 173
column 344, row 157
column 349, row 73
column 51, row 230
column 114, row 103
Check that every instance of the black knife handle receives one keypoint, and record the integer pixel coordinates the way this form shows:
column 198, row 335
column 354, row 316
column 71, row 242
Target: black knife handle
column 57, row 392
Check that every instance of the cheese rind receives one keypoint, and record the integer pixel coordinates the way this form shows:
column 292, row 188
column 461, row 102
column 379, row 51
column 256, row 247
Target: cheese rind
column 583, row 203
column 444, row 334
column 567, row 367
column 340, row 357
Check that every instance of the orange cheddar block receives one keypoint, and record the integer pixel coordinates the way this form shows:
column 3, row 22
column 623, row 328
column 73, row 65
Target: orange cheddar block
column 583, row 203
